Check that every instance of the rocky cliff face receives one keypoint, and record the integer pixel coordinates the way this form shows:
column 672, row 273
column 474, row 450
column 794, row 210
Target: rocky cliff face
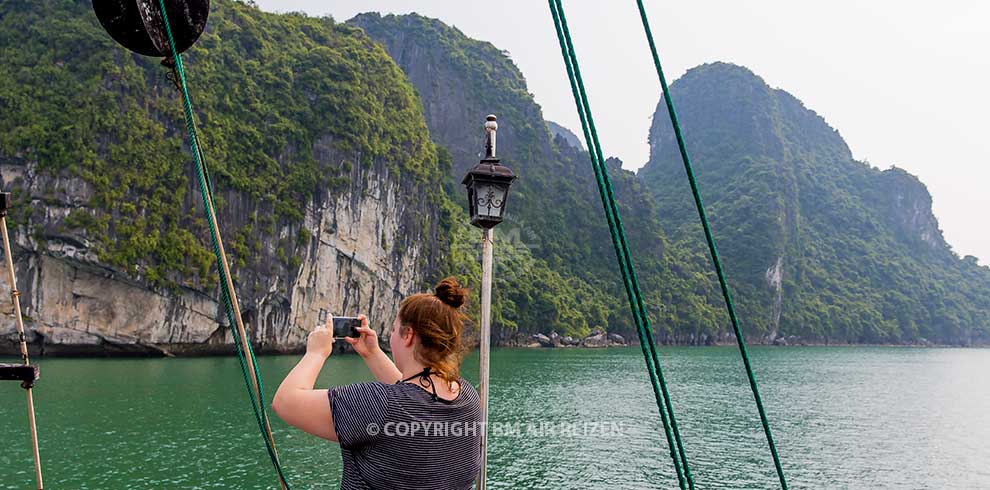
column 460, row 80
column 320, row 214
column 909, row 210
column 366, row 249
column 568, row 135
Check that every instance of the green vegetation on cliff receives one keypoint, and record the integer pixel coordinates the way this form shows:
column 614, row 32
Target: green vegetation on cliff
column 275, row 96
column 815, row 243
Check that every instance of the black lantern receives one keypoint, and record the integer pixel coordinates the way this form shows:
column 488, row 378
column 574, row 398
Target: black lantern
column 488, row 184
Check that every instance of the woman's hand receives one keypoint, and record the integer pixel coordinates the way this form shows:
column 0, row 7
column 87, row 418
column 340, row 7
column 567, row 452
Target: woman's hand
column 367, row 343
column 320, row 342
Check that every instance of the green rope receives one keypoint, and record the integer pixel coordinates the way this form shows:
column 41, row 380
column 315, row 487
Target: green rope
column 257, row 403
column 617, row 233
column 711, row 244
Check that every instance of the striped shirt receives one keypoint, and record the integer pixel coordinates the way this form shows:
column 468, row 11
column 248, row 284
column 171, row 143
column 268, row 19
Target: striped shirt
column 395, row 436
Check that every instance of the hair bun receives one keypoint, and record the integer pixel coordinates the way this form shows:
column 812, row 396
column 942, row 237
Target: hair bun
column 450, row 292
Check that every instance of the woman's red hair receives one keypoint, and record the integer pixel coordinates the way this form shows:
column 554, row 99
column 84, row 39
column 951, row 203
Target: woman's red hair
column 439, row 322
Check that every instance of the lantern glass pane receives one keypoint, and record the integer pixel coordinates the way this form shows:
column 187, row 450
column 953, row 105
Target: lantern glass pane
column 472, row 202
column 490, row 199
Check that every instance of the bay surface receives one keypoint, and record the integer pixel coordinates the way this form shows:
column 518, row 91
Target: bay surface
column 843, row 417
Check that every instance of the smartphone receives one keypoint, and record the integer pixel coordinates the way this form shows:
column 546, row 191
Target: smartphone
column 346, row 326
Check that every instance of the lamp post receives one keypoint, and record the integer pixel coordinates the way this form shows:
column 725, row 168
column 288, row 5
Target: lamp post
column 488, row 191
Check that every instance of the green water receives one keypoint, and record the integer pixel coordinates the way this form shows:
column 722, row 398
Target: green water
column 894, row 418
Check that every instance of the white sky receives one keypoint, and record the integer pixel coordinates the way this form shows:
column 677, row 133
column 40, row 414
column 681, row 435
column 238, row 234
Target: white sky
column 903, row 81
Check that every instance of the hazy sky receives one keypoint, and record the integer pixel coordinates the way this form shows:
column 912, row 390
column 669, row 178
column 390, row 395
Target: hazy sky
column 904, row 82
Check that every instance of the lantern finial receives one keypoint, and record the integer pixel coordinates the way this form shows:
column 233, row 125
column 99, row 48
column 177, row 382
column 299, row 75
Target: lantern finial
column 491, row 126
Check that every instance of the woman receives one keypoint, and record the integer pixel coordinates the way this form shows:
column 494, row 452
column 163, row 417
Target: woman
column 419, row 425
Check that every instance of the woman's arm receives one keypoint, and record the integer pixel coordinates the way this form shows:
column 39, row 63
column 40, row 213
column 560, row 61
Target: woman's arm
column 382, row 367
column 296, row 402
column 378, row 362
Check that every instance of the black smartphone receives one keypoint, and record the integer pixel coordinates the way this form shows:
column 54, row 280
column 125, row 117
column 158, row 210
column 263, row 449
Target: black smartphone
column 346, row 326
